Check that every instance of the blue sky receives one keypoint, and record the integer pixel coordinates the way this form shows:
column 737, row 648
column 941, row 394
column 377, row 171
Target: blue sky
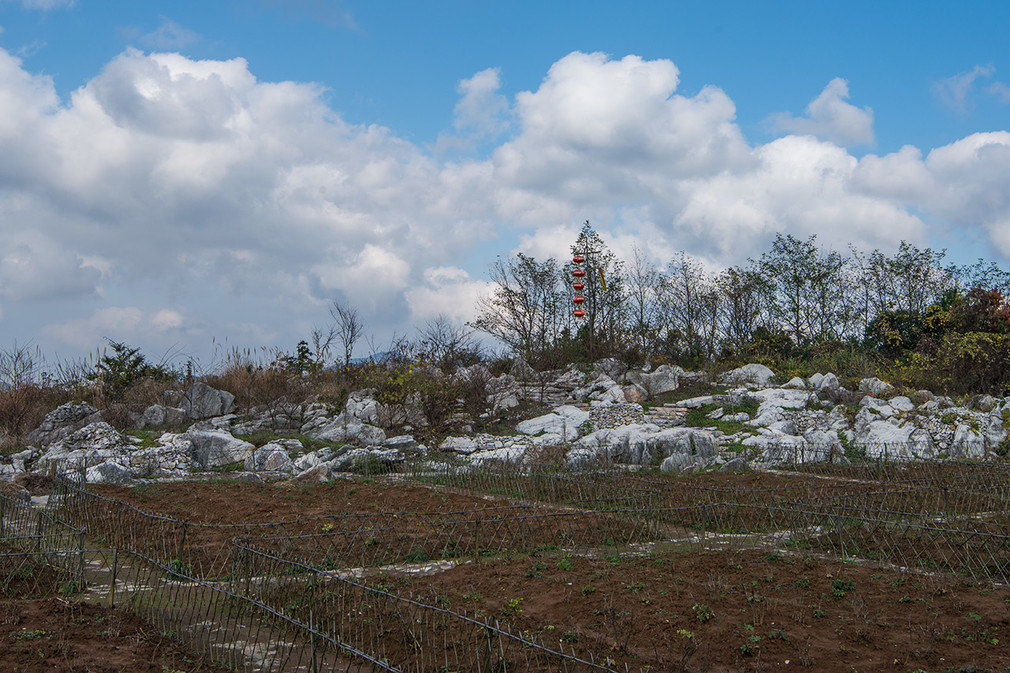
column 173, row 173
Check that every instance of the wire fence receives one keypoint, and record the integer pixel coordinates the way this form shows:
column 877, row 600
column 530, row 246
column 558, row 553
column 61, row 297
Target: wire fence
column 300, row 595
column 39, row 553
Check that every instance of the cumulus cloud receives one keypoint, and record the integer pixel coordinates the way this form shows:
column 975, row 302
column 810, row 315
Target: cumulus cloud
column 481, row 108
column 448, row 291
column 955, row 91
column 121, row 323
column 830, row 117
column 167, row 181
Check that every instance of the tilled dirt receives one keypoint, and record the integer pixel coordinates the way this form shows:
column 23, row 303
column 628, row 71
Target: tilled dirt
column 44, row 635
column 231, row 502
column 737, row 611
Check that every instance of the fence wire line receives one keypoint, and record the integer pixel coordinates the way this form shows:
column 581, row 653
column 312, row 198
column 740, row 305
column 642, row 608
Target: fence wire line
column 243, row 597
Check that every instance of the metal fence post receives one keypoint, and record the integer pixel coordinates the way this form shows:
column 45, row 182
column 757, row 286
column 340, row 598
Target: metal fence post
column 112, row 582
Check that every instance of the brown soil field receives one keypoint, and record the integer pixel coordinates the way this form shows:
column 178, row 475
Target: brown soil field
column 659, row 607
column 736, row 611
column 43, row 635
column 231, row 502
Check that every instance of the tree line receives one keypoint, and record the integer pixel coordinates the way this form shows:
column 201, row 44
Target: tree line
column 794, row 300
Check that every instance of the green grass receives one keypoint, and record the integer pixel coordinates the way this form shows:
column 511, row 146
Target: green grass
column 265, row 437
column 697, row 418
column 148, row 438
column 685, row 392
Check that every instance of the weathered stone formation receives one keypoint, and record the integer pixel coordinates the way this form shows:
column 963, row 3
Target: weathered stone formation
column 754, row 423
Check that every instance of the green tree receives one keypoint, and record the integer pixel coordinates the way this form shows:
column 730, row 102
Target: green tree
column 126, row 365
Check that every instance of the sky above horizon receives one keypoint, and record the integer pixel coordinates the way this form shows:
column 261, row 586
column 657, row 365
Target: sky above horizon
column 188, row 177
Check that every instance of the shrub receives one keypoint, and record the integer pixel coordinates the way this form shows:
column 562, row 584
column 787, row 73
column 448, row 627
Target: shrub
column 116, row 372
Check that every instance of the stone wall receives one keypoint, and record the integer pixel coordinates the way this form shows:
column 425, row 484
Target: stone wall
column 604, row 416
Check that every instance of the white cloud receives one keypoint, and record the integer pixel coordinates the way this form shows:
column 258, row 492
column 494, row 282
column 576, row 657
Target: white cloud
column 47, row 5
column 830, row 117
column 119, row 323
column 166, row 181
column 481, row 108
column 448, row 291
column 954, row 91
column 1000, row 91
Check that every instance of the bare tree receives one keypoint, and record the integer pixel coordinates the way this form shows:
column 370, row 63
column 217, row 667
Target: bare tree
column 349, row 327
column 322, row 341
column 445, row 343
column 643, row 298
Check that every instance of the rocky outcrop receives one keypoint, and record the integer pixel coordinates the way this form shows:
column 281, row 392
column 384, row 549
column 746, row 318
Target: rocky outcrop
column 93, row 444
column 217, row 448
column 62, row 421
column 563, row 421
column 359, row 434
column 158, row 415
column 201, row 401
column 644, row 444
column 664, row 379
column 752, row 374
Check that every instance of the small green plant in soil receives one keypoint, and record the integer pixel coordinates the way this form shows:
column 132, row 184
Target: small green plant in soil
column 839, row 588
column 702, row 612
column 180, row 570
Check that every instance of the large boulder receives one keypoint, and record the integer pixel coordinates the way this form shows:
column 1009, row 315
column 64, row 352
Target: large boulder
column 641, row 444
column 968, row 443
column 362, row 408
column 795, row 383
column 321, row 456
column 317, row 474
column 217, row 448
column 663, row 380
column 615, row 369
column 565, row 420
column 109, row 472
column 173, row 457
column 603, row 388
column 158, row 415
column 270, row 457
column 874, row 386
column 202, row 401
column 367, row 460
column 62, row 421
column 359, row 434
column 752, row 374
column 463, row 445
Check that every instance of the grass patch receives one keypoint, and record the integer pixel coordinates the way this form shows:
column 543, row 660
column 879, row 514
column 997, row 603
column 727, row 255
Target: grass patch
column 265, row 437
column 148, row 438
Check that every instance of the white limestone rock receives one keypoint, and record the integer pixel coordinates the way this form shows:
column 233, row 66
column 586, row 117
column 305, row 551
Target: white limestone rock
column 158, row 415
column 463, row 445
column 201, row 401
column 753, row 374
column 875, row 386
column 109, row 472
column 216, row 448
column 359, row 434
column 270, row 457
